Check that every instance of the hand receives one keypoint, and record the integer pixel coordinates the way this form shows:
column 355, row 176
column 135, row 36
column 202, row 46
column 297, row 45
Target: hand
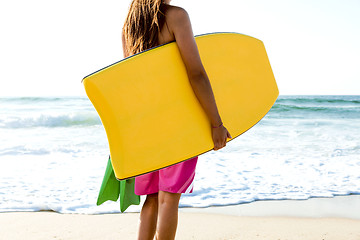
column 220, row 135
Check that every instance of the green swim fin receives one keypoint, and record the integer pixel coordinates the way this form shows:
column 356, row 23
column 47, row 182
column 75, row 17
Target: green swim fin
column 127, row 194
column 111, row 189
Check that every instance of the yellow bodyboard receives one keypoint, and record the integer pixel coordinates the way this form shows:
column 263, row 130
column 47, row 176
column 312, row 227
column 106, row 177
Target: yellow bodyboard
column 151, row 115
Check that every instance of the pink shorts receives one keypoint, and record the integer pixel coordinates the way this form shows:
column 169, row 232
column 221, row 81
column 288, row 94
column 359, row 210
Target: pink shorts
column 175, row 179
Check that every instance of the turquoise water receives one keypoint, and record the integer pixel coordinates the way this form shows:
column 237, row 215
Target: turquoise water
column 53, row 153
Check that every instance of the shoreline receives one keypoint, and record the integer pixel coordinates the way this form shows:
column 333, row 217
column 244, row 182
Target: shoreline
column 315, row 218
column 340, row 206
column 346, row 206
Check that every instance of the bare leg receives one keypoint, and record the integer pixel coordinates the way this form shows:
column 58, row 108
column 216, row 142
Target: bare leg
column 168, row 215
column 148, row 218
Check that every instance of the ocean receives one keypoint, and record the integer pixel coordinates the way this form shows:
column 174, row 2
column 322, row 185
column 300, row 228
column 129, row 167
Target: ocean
column 54, row 151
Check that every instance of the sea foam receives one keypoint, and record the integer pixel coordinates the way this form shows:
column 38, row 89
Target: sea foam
column 53, row 154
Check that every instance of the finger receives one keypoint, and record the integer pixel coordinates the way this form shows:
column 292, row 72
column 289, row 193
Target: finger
column 228, row 135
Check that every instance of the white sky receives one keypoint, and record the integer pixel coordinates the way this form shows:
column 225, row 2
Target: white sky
column 47, row 46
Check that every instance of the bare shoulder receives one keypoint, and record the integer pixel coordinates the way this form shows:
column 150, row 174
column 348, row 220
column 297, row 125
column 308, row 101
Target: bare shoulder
column 176, row 14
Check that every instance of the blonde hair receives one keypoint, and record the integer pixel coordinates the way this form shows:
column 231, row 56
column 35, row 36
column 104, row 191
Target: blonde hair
column 142, row 25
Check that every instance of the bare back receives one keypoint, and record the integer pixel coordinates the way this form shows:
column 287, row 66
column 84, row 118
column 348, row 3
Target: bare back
column 165, row 35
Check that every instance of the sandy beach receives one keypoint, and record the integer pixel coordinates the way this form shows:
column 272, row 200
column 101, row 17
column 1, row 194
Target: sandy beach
column 317, row 218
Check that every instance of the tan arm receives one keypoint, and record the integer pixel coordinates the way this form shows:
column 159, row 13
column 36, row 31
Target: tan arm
column 180, row 26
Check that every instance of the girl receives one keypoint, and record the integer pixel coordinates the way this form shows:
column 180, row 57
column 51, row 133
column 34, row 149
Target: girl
column 150, row 23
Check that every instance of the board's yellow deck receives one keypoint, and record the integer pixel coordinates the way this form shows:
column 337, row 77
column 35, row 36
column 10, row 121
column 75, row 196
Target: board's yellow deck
column 151, row 115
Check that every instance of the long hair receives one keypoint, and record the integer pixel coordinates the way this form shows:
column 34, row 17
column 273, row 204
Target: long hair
column 142, row 25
